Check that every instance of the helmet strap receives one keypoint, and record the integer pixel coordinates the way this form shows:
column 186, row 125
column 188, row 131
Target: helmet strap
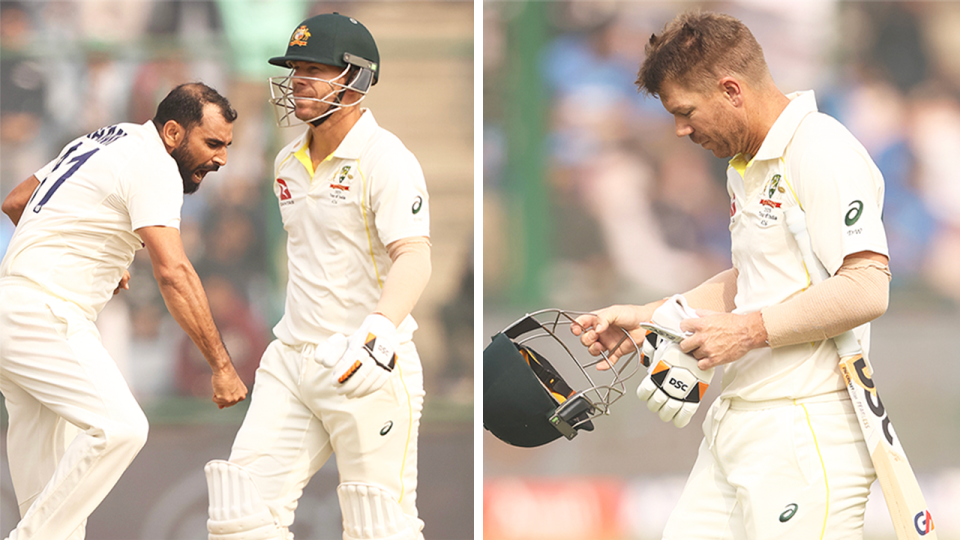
column 337, row 100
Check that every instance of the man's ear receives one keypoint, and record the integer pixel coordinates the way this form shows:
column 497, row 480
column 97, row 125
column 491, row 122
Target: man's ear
column 172, row 134
column 732, row 90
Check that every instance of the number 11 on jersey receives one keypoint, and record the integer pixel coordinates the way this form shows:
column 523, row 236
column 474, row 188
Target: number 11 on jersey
column 77, row 161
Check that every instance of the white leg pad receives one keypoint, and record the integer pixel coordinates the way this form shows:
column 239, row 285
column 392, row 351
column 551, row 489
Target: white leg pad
column 372, row 513
column 237, row 511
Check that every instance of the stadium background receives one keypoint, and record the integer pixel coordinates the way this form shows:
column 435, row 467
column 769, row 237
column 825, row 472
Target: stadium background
column 589, row 199
column 71, row 67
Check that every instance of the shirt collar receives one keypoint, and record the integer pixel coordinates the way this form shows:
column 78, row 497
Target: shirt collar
column 775, row 143
column 351, row 145
column 154, row 133
column 349, row 148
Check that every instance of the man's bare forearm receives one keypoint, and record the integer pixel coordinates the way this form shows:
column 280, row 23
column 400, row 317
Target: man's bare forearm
column 16, row 201
column 185, row 299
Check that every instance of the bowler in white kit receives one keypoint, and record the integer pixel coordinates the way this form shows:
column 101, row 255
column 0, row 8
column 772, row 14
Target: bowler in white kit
column 343, row 375
column 74, row 424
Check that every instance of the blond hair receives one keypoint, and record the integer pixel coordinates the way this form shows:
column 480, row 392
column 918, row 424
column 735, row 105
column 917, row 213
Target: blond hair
column 696, row 49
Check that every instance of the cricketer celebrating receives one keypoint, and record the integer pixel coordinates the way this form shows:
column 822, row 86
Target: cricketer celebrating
column 783, row 455
column 354, row 204
column 74, row 424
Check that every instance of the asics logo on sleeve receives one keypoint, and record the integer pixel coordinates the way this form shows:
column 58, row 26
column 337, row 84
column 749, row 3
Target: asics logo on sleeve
column 789, row 512
column 854, row 213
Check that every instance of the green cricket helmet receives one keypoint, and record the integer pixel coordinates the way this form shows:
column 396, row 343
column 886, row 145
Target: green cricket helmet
column 527, row 401
column 334, row 40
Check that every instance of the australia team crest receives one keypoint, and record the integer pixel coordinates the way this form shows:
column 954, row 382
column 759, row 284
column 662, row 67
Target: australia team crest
column 300, row 36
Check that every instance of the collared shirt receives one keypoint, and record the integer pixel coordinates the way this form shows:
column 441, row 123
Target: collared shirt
column 339, row 219
column 77, row 233
column 810, row 159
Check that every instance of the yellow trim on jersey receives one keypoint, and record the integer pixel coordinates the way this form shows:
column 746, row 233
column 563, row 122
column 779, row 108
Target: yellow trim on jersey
column 826, row 482
column 787, row 180
column 283, row 162
column 406, row 447
column 740, row 165
column 304, row 158
column 366, row 225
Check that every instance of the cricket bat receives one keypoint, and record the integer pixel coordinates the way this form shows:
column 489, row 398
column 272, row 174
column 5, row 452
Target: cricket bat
column 908, row 510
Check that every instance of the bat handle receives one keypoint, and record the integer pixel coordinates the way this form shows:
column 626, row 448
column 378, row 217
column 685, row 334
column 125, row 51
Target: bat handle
column 797, row 225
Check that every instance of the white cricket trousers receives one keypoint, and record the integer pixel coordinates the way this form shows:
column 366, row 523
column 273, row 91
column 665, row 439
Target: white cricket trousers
column 74, row 425
column 296, row 421
column 782, row 469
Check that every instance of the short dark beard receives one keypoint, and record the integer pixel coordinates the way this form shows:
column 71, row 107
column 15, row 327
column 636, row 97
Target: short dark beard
column 181, row 156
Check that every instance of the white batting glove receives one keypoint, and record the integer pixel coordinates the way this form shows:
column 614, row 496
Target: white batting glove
column 368, row 360
column 674, row 385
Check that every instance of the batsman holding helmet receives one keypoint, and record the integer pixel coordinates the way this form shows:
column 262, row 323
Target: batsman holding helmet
column 343, row 375
column 783, row 455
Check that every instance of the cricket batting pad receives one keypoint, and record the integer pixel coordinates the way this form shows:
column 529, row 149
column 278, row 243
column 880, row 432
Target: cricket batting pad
column 372, row 513
column 237, row 511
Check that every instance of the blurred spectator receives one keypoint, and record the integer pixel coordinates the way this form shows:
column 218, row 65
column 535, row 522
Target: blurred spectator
column 456, row 315
column 233, row 249
column 935, row 134
column 22, row 94
column 608, row 181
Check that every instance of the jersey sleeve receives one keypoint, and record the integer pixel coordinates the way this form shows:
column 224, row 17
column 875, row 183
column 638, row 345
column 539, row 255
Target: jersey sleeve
column 841, row 191
column 399, row 199
column 154, row 193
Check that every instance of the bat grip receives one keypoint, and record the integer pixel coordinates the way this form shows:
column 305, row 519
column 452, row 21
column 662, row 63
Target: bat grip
column 847, row 344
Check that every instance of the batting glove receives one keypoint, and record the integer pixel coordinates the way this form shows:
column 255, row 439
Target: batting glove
column 368, row 360
column 674, row 385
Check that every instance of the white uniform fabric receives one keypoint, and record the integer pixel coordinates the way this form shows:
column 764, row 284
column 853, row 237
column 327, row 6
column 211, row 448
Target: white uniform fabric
column 297, row 420
column 69, row 251
column 791, row 470
column 76, row 236
column 782, row 439
column 807, row 158
column 368, row 193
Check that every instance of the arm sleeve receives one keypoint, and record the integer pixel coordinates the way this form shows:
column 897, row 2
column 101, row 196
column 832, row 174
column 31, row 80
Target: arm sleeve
column 154, row 193
column 398, row 197
column 841, row 192
column 407, row 278
column 857, row 294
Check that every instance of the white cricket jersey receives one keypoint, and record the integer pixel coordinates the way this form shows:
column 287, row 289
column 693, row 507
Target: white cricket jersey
column 77, row 233
column 807, row 158
column 368, row 193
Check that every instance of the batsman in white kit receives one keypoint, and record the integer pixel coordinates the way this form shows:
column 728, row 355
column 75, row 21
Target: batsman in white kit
column 343, row 375
column 74, row 424
column 783, row 455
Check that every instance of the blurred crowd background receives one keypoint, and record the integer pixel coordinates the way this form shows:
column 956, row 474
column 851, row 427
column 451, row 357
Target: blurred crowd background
column 590, row 199
column 70, row 67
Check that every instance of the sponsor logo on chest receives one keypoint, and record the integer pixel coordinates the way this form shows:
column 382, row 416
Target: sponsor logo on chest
column 285, row 197
column 769, row 203
column 340, row 184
